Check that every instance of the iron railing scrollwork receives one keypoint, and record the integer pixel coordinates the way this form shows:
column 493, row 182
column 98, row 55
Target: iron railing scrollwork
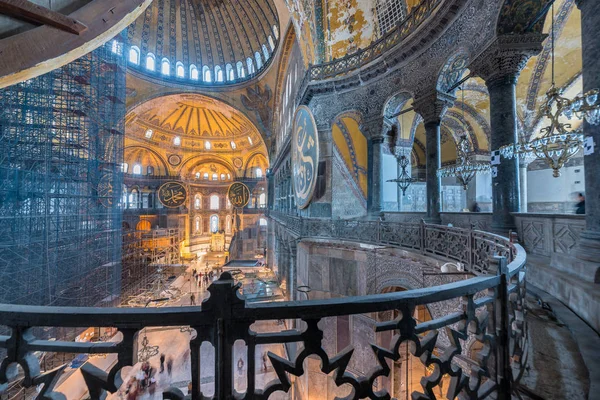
column 492, row 314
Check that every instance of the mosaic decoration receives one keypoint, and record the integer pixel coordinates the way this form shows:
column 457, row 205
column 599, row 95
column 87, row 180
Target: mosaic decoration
column 174, row 160
column 238, row 194
column 305, row 156
column 172, row 194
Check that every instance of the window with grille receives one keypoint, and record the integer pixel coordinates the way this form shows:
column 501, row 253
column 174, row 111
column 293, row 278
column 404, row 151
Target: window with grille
column 389, row 14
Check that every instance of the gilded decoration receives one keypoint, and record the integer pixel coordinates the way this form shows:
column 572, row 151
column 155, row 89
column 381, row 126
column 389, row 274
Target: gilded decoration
column 305, row 156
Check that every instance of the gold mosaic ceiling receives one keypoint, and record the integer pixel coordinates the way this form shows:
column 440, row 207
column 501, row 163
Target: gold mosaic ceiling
column 192, row 121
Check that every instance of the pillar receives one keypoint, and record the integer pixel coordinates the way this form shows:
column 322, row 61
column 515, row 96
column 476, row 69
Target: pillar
column 500, row 65
column 432, row 107
column 293, row 274
column 523, row 185
column 589, row 243
column 375, row 129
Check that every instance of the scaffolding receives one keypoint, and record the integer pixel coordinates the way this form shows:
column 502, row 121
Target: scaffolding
column 61, row 149
column 149, row 259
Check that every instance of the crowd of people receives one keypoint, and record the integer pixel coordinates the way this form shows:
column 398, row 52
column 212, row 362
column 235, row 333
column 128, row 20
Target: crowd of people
column 145, row 380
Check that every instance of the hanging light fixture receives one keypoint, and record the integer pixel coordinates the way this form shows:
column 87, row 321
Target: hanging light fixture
column 404, row 179
column 465, row 168
column 558, row 143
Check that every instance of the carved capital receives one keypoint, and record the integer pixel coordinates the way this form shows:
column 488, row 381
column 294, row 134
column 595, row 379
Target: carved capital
column 432, row 107
column 503, row 60
column 376, row 127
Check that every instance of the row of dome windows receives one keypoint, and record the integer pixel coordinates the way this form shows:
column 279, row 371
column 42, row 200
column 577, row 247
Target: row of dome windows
column 219, row 75
column 207, row 145
column 137, row 170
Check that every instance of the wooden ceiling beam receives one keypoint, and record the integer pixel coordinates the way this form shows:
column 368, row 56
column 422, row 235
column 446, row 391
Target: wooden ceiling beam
column 28, row 11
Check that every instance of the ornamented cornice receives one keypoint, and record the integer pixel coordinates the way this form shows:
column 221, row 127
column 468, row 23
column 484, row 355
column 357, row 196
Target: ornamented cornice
column 503, row 60
column 433, row 106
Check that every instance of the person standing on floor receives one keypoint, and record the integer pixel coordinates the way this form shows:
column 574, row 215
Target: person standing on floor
column 192, row 299
column 162, row 363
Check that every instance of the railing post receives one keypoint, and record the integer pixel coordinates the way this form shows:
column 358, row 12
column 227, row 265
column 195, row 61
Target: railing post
column 422, row 235
column 503, row 369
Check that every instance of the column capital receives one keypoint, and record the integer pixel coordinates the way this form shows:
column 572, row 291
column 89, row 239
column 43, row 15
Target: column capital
column 432, row 106
column 503, row 60
column 376, row 127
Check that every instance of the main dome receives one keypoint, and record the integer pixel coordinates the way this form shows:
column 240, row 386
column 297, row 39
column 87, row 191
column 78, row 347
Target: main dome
column 205, row 41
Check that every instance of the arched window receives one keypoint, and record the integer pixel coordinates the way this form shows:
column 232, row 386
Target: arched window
column 149, row 133
column 124, row 167
column 177, row 141
column 165, row 67
column 133, row 198
column 228, row 176
column 233, row 146
column 114, row 47
column 229, row 72
column 241, row 73
column 124, row 198
column 205, row 176
column 271, row 43
column 214, row 223
column 265, row 52
column 137, row 169
column 258, row 172
column 258, row 60
column 206, row 74
column 150, row 62
column 214, row 202
column 179, row 70
column 250, row 141
column 197, row 175
column 198, row 225
column 193, row 72
column 206, row 145
column 150, row 170
column 215, row 177
column 134, row 55
column 218, row 74
column 250, row 64
column 262, row 201
column 197, row 202
column 275, row 32
column 228, row 224
column 222, row 177
column 262, row 222
column 228, row 204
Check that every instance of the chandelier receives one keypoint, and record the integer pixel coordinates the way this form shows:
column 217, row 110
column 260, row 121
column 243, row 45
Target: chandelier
column 558, row 143
column 465, row 169
column 404, row 179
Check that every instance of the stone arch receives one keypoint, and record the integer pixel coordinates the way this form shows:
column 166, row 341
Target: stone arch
column 452, row 71
column 159, row 163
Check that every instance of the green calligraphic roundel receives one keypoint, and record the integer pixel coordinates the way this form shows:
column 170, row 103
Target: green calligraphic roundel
column 305, row 156
column 172, row 194
column 238, row 194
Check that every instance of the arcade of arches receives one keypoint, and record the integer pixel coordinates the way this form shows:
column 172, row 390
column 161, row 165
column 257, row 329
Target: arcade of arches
column 130, row 131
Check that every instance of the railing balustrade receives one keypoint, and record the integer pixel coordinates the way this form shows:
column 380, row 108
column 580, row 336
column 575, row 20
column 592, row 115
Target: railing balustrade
column 492, row 314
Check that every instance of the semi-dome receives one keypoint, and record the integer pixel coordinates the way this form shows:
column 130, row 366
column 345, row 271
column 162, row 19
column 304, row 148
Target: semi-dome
column 205, row 42
column 192, row 121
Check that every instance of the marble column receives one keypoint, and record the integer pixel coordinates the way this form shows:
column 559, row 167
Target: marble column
column 500, row 65
column 375, row 129
column 523, row 185
column 589, row 243
column 432, row 108
column 293, row 275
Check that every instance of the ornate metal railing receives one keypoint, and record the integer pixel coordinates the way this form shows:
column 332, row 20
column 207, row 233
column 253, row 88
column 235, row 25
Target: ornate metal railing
column 491, row 314
column 470, row 247
column 364, row 56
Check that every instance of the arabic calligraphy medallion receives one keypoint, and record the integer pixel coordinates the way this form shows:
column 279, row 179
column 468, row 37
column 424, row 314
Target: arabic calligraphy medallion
column 305, row 156
column 238, row 194
column 172, row 194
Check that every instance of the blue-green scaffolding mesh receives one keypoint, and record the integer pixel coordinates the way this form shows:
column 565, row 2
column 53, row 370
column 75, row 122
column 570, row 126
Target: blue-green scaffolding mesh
column 61, row 149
